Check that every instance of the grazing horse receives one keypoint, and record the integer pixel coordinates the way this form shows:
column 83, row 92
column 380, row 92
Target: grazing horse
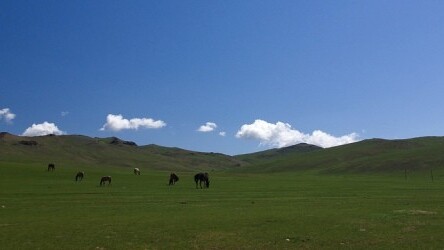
column 79, row 176
column 105, row 179
column 202, row 177
column 51, row 167
column 173, row 179
column 136, row 171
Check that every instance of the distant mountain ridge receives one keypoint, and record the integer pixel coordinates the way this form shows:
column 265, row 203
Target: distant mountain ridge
column 111, row 151
column 278, row 153
column 367, row 156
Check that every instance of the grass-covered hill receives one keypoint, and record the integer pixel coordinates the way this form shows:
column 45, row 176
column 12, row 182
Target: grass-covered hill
column 78, row 150
column 367, row 156
column 273, row 155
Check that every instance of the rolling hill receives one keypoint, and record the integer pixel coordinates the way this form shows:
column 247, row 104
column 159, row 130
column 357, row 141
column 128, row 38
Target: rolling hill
column 367, row 156
column 75, row 150
column 278, row 153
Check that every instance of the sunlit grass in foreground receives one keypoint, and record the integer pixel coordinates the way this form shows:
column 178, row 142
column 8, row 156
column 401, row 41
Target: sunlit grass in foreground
column 49, row 210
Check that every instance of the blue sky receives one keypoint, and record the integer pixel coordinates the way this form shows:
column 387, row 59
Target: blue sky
column 223, row 76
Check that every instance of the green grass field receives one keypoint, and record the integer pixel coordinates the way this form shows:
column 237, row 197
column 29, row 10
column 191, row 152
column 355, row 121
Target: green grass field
column 299, row 210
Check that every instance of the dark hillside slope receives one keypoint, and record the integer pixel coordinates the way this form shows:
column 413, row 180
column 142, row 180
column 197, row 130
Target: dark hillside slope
column 368, row 156
column 276, row 154
column 374, row 155
column 78, row 150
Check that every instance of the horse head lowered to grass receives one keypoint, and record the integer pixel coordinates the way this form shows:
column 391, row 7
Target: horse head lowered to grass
column 51, row 167
column 105, row 179
column 173, row 179
column 80, row 175
column 136, row 171
column 202, row 177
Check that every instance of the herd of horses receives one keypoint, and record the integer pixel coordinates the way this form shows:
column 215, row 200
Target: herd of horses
column 199, row 178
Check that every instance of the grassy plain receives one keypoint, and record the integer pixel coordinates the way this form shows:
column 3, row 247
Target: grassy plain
column 298, row 210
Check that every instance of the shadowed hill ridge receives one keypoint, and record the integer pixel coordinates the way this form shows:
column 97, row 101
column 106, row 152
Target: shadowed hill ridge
column 367, row 156
column 75, row 150
column 275, row 154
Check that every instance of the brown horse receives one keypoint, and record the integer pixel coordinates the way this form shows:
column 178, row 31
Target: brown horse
column 173, row 179
column 79, row 176
column 51, row 167
column 105, row 179
column 202, row 177
column 136, row 171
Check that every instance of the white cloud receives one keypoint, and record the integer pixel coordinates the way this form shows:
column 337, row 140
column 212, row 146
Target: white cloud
column 208, row 127
column 282, row 135
column 45, row 128
column 64, row 113
column 117, row 123
column 223, row 133
column 7, row 115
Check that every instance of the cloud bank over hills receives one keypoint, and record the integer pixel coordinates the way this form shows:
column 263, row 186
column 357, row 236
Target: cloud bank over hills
column 283, row 135
column 44, row 128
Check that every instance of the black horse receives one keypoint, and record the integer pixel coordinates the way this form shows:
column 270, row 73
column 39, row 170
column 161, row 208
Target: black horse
column 51, row 167
column 105, row 179
column 173, row 179
column 79, row 176
column 202, row 177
